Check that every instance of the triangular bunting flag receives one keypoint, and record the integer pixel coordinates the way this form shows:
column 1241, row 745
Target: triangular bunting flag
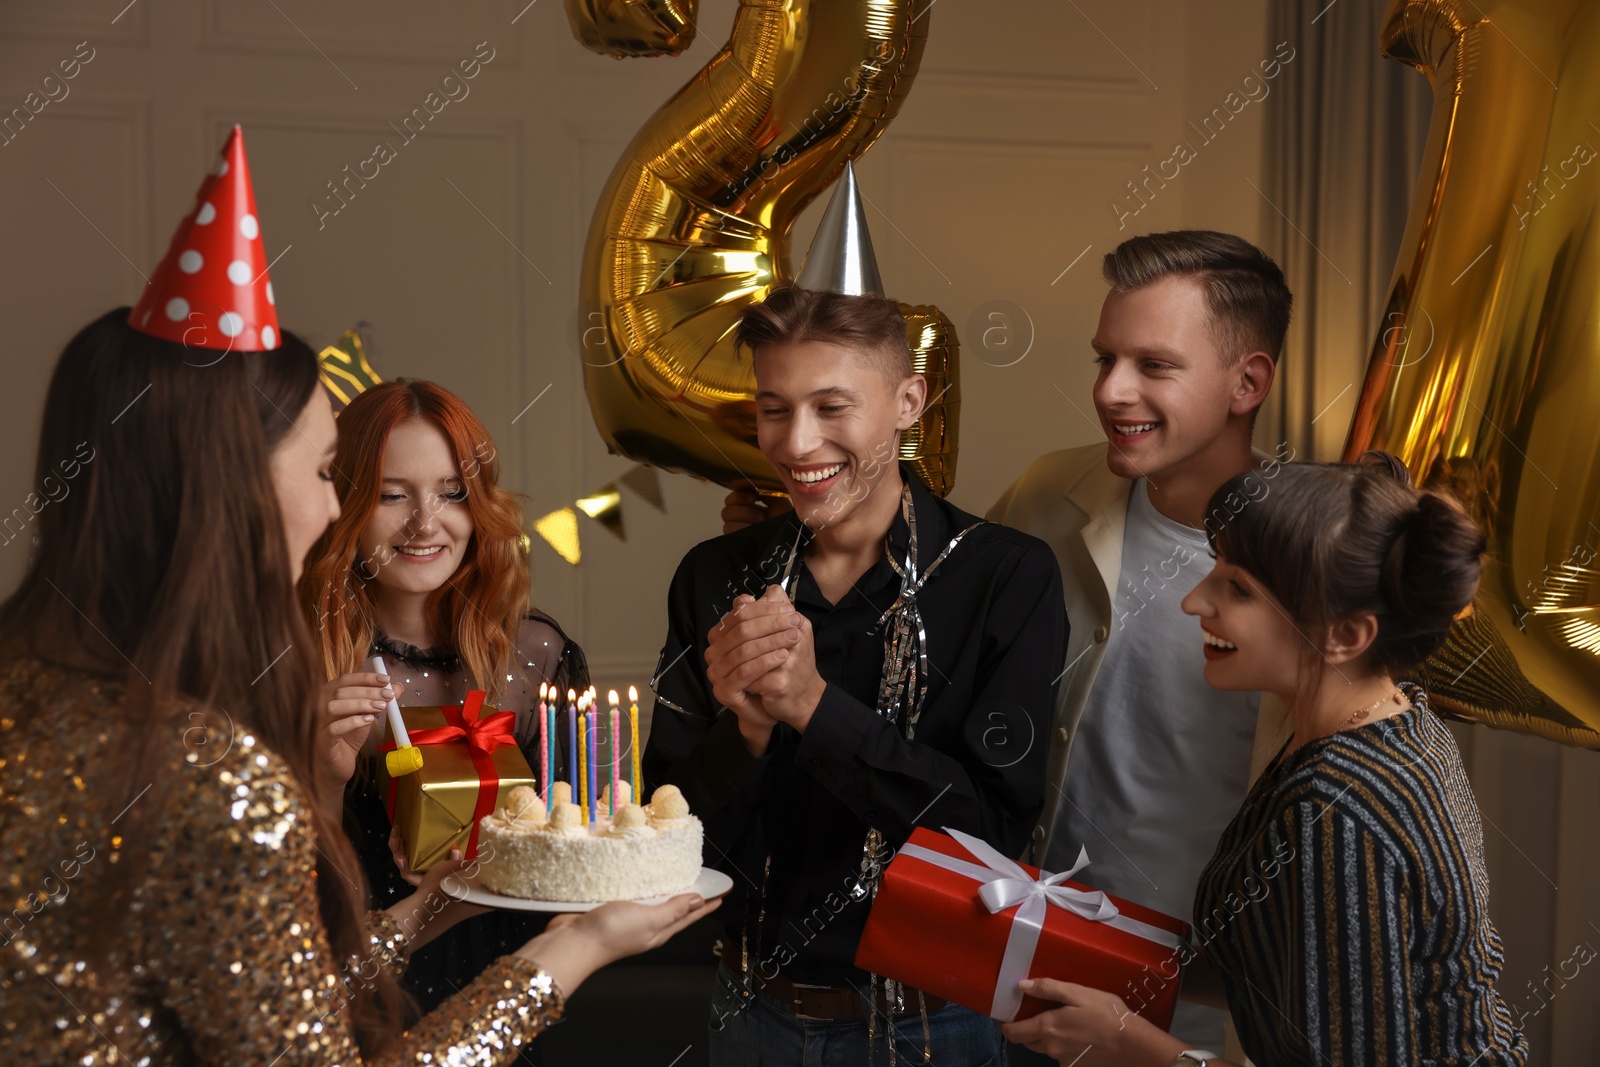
column 605, row 507
column 646, row 481
column 344, row 369
column 560, row 530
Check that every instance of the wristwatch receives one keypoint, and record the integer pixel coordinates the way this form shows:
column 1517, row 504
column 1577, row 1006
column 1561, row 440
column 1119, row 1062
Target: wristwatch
column 1195, row 1058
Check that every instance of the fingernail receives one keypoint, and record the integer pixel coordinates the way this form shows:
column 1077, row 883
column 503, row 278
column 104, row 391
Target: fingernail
column 455, row 853
column 1025, row 984
column 378, row 705
column 369, row 718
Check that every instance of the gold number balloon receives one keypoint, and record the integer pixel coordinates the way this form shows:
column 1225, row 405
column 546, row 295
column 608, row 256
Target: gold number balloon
column 693, row 225
column 623, row 28
column 1485, row 377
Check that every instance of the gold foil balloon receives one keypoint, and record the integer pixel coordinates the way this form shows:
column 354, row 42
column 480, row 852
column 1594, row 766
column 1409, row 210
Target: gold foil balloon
column 693, row 225
column 624, row 28
column 1485, row 377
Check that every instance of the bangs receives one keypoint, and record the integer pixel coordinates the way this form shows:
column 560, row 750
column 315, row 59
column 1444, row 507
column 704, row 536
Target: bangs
column 1282, row 526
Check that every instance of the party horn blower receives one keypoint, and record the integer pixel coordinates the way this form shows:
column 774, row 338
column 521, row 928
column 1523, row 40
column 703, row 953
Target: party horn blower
column 406, row 758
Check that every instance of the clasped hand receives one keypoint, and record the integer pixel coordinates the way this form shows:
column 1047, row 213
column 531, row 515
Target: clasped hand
column 762, row 664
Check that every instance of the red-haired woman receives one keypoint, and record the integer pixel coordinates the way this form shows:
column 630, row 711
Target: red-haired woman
column 425, row 567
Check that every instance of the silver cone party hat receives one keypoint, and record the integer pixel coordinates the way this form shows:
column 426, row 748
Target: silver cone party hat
column 841, row 259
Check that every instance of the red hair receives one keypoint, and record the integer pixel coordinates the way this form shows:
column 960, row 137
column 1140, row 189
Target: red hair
column 480, row 609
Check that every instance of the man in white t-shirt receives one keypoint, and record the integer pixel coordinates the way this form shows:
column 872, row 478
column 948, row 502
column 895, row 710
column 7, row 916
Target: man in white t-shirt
column 1149, row 763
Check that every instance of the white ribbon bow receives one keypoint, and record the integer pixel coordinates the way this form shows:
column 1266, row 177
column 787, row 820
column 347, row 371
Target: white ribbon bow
column 1005, row 884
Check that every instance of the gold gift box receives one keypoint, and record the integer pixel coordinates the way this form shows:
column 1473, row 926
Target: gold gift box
column 433, row 807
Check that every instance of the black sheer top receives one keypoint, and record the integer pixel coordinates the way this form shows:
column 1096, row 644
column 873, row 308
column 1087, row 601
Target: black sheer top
column 436, row 676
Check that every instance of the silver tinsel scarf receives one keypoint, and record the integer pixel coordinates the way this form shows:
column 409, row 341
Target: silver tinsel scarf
column 902, row 689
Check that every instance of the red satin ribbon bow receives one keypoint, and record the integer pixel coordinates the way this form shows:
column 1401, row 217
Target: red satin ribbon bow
column 482, row 736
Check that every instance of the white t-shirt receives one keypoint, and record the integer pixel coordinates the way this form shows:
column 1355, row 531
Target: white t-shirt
column 1161, row 761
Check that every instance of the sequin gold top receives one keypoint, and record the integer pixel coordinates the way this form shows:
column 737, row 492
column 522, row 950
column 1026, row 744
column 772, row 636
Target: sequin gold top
column 224, row 957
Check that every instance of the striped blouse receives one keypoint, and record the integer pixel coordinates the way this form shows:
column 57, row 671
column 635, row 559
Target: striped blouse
column 1347, row 907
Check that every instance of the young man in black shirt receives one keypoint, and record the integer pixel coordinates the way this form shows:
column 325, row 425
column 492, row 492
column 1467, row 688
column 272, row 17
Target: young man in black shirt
column 873, row 661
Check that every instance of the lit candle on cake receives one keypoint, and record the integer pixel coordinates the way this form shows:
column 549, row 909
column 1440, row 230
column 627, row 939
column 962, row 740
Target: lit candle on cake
column 550, row 754
column 593, row 719
column 598, row 725
column 582, row 755
column 616, row 753
column 633, row 731
column 544, row 742
column 572, row 738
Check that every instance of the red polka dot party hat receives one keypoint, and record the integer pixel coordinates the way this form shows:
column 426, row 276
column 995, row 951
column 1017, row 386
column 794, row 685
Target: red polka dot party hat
column 212, row 290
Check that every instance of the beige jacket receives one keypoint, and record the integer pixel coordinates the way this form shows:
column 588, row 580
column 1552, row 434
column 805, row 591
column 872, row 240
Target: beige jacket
column 1073, row 502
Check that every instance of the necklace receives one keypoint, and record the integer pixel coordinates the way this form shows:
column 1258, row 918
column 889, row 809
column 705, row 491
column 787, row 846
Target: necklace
column 1360, row 714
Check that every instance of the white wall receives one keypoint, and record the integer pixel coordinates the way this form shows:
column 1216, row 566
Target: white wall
column 463, row 252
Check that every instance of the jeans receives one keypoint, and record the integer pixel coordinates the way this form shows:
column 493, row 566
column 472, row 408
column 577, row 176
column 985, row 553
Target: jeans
column 763, row 1032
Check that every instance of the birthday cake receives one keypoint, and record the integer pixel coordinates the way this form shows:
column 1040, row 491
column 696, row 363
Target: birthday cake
column 540, row 851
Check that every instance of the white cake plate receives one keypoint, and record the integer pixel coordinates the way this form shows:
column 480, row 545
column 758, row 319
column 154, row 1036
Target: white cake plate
column 710, row 884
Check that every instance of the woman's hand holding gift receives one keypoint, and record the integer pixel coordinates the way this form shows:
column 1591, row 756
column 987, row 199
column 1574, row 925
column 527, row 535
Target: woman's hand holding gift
column 436, row 905
column 1092, row 1028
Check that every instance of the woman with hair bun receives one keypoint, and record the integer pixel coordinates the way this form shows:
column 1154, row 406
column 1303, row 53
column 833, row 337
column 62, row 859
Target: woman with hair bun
column 425, row 567
column 1345, row 910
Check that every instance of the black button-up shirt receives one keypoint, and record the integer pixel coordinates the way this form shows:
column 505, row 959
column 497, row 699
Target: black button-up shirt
column 996, row 628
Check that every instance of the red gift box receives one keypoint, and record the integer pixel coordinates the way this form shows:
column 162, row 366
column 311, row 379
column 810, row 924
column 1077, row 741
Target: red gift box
column 1000, row 921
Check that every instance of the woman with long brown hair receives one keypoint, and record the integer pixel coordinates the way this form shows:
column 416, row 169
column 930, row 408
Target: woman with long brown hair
column 425, row 567
column 168, row 788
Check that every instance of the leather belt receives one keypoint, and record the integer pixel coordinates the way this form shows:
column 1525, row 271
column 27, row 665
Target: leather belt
column 830, row 1003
